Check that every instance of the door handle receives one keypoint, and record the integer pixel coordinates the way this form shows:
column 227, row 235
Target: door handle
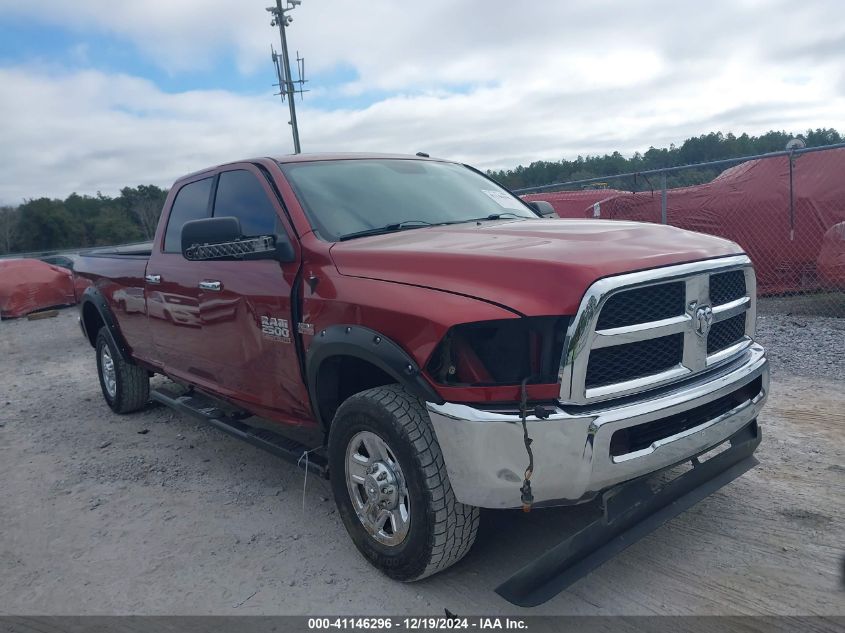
column 211, row 285
column 153, row 279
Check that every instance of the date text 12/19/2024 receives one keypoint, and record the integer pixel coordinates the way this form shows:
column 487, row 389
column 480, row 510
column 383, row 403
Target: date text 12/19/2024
column 417, row 623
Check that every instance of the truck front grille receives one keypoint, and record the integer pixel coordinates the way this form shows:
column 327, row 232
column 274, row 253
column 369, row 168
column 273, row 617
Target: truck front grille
column 726, row 333
column 615, row 364
column 727, row 287
column 643, row 330
column 651, row 303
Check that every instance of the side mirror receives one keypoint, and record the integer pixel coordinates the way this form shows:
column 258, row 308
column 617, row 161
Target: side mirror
column 284, row 249
column 198, row 235
column 544, row 209
column 209, row 231
column 221, row 238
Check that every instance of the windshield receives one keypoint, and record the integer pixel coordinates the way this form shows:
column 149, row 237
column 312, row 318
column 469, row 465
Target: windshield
column 344, row 198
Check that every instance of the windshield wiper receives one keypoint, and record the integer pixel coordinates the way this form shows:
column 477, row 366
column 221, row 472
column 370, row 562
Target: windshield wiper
column 388, row 228
column 419, row 224
column 494, row 216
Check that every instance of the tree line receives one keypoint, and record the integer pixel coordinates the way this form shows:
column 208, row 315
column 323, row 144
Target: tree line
column 699, row 149
column 48, row 224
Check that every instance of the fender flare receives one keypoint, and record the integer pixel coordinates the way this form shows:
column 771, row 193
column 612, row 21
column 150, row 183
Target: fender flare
column 371, row 346
column 92, row 296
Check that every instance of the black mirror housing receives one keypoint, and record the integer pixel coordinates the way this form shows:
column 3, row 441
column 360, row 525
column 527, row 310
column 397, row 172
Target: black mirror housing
column 544, row 209
column 209, row 231
column 284, row 249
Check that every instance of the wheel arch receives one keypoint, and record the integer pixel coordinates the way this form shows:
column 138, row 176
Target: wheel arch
column 373, row 359
column 95, row 313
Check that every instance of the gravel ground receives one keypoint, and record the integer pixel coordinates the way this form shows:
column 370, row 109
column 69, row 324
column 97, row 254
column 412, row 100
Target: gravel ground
column 810, row 346
column 154, row 513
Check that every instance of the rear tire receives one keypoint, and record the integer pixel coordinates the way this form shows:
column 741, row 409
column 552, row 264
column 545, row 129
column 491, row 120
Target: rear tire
column 126, row 387
column 384, row 459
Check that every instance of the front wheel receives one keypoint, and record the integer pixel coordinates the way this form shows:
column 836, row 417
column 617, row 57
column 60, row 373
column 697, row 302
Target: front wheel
column 391, row 487
column 126, row 387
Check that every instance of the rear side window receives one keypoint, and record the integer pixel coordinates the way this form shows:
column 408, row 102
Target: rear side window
column 191, row 203
column 241, row 195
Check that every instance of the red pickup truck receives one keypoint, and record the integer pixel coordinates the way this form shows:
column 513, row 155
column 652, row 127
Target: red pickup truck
column 434, row 345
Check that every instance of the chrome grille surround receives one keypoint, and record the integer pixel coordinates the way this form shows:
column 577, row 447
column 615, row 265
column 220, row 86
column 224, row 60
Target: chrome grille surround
column 582, row 335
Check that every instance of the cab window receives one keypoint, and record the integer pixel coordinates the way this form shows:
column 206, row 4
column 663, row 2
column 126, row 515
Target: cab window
column 191, row 203
column 240, row 194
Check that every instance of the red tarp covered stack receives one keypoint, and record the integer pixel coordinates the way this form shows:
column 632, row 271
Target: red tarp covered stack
column 27, row 285
column 749, row 204
column 572, row 204
column 831, row 260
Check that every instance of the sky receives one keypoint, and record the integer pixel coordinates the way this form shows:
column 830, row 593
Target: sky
column 96, row 94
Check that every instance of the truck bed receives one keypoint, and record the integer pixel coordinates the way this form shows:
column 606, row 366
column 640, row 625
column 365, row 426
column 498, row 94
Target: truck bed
column 117, row 275
column 142, row 249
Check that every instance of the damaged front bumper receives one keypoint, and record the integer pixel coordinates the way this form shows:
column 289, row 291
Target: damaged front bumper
column 581, row 451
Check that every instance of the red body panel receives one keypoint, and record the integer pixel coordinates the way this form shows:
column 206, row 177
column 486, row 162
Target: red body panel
column 414, row 317
column 123, row 288
column 537, row 267
column 410, row 286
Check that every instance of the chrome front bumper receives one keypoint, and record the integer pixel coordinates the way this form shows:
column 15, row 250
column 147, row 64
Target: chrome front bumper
column 485, row 455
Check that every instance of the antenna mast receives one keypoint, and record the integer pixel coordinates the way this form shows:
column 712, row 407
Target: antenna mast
column 288, row 86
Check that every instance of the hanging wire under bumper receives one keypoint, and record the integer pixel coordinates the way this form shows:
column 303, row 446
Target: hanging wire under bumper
column 631, row 511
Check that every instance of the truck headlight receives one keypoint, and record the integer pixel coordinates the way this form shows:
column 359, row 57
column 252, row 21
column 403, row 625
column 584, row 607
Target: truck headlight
column 502, row 352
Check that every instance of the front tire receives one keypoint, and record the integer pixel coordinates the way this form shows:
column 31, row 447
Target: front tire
column 391, row 486
column 126, row 387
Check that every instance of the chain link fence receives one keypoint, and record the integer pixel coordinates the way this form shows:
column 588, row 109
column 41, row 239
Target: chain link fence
column 786, row 209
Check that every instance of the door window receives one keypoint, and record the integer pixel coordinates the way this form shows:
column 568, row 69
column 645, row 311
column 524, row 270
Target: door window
column 240, row 194
column 191, row 203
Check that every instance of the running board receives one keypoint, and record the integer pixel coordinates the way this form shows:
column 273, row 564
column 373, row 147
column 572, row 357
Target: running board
column 290, row 450
column 631, row 511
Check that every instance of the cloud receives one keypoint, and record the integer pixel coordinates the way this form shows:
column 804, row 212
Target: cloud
column 396, row 45
column 495, row 87
column 177, row 35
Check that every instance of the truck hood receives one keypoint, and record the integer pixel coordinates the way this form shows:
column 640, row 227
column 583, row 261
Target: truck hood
column 535, row 267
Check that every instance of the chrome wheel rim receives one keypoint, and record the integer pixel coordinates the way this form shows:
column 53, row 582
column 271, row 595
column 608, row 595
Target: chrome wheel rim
column 377, row 488
column 108, row 371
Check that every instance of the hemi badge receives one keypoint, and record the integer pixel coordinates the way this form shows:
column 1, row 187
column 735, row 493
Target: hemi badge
column 305, row 328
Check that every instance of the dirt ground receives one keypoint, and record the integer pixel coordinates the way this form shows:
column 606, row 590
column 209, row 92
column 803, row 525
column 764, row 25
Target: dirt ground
column 155, row 513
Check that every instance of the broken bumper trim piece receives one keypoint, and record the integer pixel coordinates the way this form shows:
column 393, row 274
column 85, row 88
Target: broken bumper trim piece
column 631, row 511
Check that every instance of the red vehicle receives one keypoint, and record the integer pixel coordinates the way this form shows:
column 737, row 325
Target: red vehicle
column 437, row 346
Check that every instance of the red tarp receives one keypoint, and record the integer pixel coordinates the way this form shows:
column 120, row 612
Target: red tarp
column 572, row 204
column 27, row 285
column 748, row 204
column 831, row 260
column 79, row 285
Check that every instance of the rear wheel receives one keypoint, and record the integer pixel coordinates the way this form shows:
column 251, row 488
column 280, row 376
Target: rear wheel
column 126, row 387
column 391, row 487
